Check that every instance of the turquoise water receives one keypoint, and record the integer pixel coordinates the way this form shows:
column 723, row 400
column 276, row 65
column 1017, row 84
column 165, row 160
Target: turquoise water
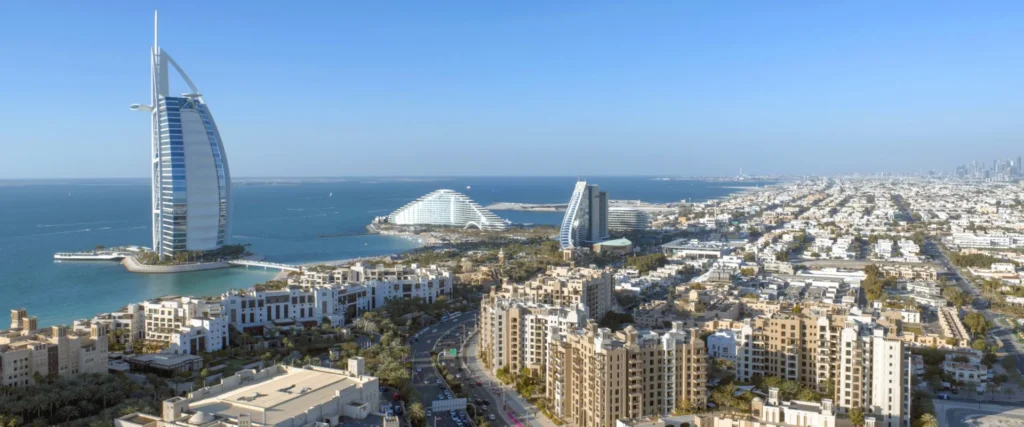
column 283, row 222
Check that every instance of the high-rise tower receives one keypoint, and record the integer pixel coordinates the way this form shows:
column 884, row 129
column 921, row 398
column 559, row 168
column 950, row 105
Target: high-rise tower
column 191, row 184
column 586, row 217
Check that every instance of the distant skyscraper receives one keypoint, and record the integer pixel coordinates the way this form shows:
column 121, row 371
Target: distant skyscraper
column 190, row 179
column 586, row 217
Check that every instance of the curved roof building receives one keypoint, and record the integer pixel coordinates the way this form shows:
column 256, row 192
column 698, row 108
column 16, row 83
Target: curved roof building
column 191, row 183
column 447, row 208
column 586, row 217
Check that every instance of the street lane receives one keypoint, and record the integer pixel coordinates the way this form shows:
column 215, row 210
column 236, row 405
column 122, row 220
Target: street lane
column 425, row 377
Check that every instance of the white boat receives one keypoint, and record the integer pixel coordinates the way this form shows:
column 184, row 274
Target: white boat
column 90, row 256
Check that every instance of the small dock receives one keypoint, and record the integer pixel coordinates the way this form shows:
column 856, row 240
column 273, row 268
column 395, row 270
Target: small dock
column 91, row 256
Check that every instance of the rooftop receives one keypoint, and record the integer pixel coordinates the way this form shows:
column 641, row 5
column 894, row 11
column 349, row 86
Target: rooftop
column 278, row 398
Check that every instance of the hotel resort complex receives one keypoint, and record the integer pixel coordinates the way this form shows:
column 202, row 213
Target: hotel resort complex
column 191, row 183
column 586, row 217
column 447, row 208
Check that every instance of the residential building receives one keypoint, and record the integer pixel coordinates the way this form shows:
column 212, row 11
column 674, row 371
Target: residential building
column 874, row 374
column 692, row 248
column 596, row 377
column 586, row 217
column 277, row 396
column 796, row 347
column 570, row 287
column 125, row 326
column 722, row 344
column 516, row 334
column 382, row 283
column 773, row 413
column 191, row 183
column 447, row 208
column 186, row 324
column 26, row 350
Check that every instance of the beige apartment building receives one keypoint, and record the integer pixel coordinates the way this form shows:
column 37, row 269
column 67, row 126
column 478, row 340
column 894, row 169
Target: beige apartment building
column 831, row 350
column 568, row 287
column 596, row 377
column 796, row 347
column 26, row 350
column 516, row 334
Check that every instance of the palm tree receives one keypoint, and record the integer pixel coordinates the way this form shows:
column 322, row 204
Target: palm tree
column 9, row 421
column 68, row 413
column 416, row 412
column 928, row 420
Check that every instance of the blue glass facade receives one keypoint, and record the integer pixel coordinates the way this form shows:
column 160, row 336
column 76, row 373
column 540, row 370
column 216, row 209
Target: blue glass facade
column 184, row 219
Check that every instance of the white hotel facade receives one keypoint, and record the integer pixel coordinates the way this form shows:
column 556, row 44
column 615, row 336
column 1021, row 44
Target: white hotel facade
column 447, row 208
column 191, row 183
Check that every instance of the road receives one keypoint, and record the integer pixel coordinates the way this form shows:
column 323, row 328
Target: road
column 524, row 412
column 979, row 304
column 953, row 413
column 444, row 336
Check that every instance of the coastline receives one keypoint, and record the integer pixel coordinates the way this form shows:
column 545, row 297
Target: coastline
column 133, row 265
column 117, row 289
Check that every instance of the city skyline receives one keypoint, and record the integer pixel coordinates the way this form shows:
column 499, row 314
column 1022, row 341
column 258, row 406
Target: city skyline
column 691, row 89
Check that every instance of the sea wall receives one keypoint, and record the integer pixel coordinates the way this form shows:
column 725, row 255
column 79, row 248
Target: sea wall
column 133, row 265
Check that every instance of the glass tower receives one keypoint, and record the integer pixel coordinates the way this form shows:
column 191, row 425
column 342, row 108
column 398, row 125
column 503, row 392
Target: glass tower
column 191, row 183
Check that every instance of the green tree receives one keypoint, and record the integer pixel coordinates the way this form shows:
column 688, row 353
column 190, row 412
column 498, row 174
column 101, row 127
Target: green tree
column 857, row 416
column 977, row 323
column 927, row 420
column 417, row 414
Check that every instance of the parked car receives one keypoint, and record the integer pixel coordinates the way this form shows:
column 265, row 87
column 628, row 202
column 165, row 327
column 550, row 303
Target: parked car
column 490, row 417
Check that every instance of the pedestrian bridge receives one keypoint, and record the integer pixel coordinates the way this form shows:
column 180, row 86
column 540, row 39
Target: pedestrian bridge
column 266, row 265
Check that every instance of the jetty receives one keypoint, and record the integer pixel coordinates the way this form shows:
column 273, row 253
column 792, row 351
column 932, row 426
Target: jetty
column 266, row 265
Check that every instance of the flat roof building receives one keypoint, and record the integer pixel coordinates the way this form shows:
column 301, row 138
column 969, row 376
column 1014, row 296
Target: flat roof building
column 276, row 396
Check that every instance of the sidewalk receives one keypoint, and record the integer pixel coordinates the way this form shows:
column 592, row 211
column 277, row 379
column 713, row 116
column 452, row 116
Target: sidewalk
column 526, row 413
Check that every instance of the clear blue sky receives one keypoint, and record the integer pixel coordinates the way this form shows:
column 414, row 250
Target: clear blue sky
column 522, row 88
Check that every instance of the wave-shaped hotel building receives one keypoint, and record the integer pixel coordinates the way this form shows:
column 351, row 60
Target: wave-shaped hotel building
column 447, row 208
column 586, row 217
column 191, row 182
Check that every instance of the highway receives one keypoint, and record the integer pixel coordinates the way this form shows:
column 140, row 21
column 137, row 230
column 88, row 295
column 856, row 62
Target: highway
column 980, row 305
column 445, row 336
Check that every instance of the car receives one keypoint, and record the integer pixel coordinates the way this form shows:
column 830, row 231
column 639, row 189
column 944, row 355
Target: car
column 439, row 381
column 426, row 381
column 429, row 412
column 943, row 396
column 434, row 331
column 390, row 412
column 487, row 402
column 398, row 409
column 419, row 369
column 478, row 383
column 458, row 375
column 491, row 417
column 483, row 408
column 440, row 397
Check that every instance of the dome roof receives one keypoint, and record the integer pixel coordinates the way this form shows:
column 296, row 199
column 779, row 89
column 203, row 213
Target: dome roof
column 201, row 418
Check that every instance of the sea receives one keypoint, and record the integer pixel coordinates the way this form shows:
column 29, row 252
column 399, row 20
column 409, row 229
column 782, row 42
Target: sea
column 284, row 220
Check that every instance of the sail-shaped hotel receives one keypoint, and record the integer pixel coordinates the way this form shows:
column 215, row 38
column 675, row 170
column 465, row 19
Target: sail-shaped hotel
column 191, row 183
